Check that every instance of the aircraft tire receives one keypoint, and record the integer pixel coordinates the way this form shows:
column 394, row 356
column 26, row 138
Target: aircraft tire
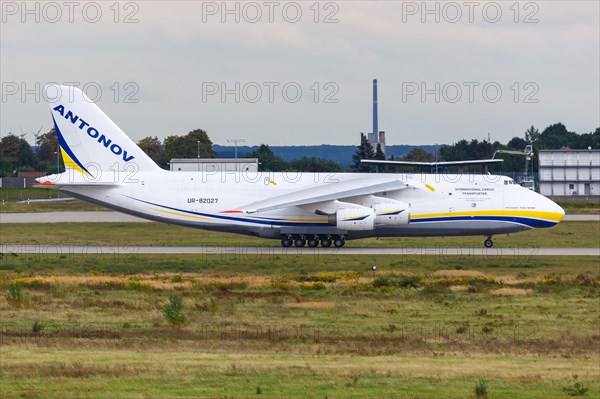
column 299, row 242
column 325, row 242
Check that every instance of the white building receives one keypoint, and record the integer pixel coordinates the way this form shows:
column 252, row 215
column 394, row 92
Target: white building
column 214, row 165
column 569, row 172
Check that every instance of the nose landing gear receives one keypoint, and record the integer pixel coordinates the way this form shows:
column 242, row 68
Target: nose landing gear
column 488, row 243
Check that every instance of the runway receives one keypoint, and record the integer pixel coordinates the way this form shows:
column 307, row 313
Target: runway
column 235, row 251
column 70, row 217
column 118, row 217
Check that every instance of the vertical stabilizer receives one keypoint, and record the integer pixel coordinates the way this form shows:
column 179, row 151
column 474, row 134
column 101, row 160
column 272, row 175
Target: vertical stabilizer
column 90, row 142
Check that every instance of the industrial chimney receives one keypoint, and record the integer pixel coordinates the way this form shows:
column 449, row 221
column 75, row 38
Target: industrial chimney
column 375, row 122
column 376, row 137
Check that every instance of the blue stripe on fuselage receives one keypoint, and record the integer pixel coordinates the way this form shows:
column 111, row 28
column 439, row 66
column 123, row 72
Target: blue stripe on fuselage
column 537, row 223
column 232, row 218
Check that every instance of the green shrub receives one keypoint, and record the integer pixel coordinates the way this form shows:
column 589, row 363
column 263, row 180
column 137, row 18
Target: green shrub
column 173, row 311
column 137, row 285
column 481, row 312
column 401, row 282
column 15, row 296
column 481, row 388
column 213, row 305
column 587, row 279
column 577, row 388
column 37, row 327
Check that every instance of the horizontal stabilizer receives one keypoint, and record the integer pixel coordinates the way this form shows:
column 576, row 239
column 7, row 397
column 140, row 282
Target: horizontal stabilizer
column 61, row 180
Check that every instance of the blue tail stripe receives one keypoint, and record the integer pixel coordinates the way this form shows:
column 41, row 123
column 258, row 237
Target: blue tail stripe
column 63, row 144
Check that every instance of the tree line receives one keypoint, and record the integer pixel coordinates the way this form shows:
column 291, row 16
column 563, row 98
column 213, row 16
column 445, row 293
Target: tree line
column 554, row 137
column 17, row 155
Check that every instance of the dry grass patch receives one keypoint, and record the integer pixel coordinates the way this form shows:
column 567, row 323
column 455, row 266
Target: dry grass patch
column 527, row 379
column 516, row 280
column 507, row 291
column 312, row 305
column 458, row 273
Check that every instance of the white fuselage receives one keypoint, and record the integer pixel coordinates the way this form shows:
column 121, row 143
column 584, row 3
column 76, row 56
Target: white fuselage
column 440, row 204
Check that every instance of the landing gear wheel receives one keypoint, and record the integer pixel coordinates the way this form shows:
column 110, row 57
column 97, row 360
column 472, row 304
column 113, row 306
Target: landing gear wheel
column 299, row 243
column 286, row 242
column 313, row 242
column 488, row 243
column 339, row 242
column 325, row 242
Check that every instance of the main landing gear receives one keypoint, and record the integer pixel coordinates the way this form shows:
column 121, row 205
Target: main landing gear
column 300, row 241
column 488, row 243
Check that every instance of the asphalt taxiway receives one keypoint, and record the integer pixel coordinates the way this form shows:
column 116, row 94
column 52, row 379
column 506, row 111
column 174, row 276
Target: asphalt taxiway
column 418, row 250
column 117, row 217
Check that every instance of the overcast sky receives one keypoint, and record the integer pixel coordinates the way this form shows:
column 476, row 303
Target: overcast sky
column 161, row 67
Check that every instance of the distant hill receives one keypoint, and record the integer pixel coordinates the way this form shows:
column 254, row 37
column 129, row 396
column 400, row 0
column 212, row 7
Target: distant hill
column 341, row 154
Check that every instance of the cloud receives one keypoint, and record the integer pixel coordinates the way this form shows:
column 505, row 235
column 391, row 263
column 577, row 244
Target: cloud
column 175, row 50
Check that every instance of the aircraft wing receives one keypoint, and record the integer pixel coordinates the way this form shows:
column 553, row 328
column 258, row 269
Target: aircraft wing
column 327, row 192
column 60, row 181
column 442, row 163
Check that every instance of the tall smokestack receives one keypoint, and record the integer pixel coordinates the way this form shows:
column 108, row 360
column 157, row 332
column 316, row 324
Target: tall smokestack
column 375, row 122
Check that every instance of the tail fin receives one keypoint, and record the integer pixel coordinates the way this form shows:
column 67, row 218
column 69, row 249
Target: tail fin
column 90, row 142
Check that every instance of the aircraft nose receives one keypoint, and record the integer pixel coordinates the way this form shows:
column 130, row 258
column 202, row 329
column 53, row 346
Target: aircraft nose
column 554, row 208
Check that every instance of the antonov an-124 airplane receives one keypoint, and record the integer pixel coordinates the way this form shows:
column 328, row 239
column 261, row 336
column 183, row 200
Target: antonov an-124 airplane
column 105, row 167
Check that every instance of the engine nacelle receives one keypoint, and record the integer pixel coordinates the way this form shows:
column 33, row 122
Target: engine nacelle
column 362, row 218
column 392, row 213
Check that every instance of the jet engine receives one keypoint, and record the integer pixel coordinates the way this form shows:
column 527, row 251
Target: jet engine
column 360, row 218
column 392, row 213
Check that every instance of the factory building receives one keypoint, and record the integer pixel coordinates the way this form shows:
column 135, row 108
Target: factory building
column 211, row 165
column 573, row 173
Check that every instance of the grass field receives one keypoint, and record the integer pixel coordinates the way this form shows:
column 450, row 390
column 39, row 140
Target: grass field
column 301, row 326
column 574, row 207
column 565, row 234
column 295, row 326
